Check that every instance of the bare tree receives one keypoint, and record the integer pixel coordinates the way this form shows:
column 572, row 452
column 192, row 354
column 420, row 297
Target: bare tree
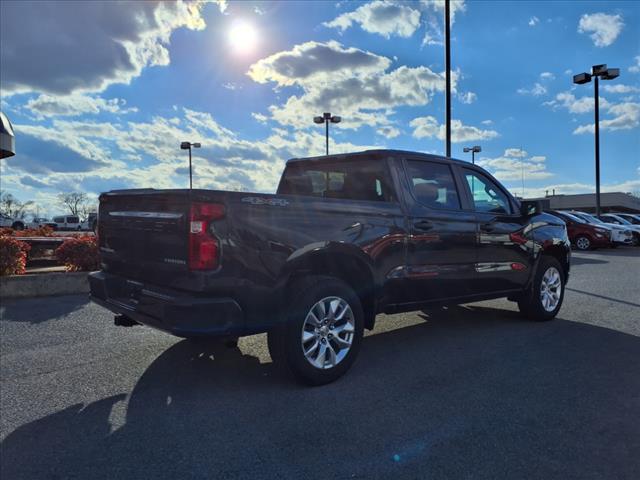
column 12, row 207
column 74, row 202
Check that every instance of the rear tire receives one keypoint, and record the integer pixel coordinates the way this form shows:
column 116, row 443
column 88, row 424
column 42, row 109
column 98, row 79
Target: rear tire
column 18, row 226
column 544, row 298
column 583, row 243
column 322, row 333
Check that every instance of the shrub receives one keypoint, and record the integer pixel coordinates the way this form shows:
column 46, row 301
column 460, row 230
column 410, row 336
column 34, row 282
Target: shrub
column 79, row 254
column 13, row 256
column 44, row 231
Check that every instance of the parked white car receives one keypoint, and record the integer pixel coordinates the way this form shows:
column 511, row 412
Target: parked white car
column 67, row 222
column 620, row 235
column 8, row 222
column 624, row 223
column 631, row 217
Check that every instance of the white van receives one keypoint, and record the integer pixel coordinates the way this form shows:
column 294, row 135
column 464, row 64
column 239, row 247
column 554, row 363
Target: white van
column 67, row 222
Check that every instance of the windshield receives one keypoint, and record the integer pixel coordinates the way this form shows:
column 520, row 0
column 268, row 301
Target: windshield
column 575, row 218
column 590, row 218
column 620, row 219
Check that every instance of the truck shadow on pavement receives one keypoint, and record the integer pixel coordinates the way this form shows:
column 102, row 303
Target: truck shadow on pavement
column 469, row 392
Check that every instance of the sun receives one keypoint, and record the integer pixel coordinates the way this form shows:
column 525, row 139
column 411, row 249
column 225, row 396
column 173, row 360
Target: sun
column 243, row 37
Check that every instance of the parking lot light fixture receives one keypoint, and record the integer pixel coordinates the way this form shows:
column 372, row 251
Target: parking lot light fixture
column 327, row 118
column 187, row 146
column 597, row 71
column 475, row 149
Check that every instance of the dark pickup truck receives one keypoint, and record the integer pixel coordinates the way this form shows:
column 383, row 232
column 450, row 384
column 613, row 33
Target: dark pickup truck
column 344, row 238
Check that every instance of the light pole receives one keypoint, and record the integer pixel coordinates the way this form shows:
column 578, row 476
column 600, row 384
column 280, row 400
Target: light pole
column 473, row 150
column 447, row 67
column 327, row 118
column 597, row 71
column 187, row 146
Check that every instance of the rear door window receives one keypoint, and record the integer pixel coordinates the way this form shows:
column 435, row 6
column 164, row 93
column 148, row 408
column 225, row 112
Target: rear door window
column 358, row 179
column 433, row 184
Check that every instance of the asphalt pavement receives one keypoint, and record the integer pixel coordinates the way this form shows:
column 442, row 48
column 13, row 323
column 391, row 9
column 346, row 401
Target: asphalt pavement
column 473, row 391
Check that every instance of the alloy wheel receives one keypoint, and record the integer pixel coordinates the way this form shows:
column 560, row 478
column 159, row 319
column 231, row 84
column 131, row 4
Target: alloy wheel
column 550, row 289
column 328, row 332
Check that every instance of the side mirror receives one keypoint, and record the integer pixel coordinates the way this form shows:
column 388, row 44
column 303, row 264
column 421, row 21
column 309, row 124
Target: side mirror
column 530, row 207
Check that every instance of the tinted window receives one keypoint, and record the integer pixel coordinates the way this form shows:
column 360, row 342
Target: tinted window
column 487, row 197
column 352, row 180
column 73, row 220
column 58, row 219
column 433, row 184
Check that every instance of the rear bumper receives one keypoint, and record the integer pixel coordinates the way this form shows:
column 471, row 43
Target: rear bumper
column 177, row 313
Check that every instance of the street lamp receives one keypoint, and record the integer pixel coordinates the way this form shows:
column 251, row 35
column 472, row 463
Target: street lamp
column 187, row 146
column 597, row 71
column 473, row 150
column 327, row 118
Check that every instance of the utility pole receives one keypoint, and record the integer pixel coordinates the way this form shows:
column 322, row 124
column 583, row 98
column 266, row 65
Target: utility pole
column 447, row 66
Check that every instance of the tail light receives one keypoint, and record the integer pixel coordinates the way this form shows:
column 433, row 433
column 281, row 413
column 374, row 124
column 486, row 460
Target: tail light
column 204, row 249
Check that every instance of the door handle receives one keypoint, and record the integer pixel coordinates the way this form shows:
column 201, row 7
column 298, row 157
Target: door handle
column 487, row 227
column 423, row 225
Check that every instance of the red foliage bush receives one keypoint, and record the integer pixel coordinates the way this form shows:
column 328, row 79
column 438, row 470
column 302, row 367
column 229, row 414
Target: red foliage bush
column 44, row 231
column 79, row 254
column 13, row 256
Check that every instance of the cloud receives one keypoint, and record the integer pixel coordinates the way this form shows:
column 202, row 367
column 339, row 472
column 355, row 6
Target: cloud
column 515, row 153
column 43, row 156
column 433, row 19
column 575, row 105
column 428, row 127
column 76, row 104
column 388, row 132
column 382, row 17
column 537, row 90
column 261, row 118
column 601, row 27
column 313, row 61
column 99, row 156
column 547, row 76
column 620, row 88
column 69, row 47
column 626, row 116
column 533, row 21
column 514, row 164
column 347, row 81
column 456, row 6
column 635, row 68
column 487, row 122
column 467, row 97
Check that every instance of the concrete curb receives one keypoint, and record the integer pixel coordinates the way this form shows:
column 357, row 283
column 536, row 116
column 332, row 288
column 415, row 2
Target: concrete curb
column 43, row 284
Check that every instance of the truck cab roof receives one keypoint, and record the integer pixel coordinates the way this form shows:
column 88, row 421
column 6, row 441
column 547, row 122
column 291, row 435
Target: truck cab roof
column 378, row 153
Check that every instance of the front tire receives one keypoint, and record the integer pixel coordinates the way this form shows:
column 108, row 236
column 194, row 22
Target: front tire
column 544, row 298
column 322, row 333
column 18, row 226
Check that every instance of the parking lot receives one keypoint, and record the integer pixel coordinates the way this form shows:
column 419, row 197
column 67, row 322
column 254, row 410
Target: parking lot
column 466, row 392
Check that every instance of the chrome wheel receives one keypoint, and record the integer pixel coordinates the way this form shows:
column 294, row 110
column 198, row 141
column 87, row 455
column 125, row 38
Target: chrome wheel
column 583, row 243
column 550, row 289
column 327, row 332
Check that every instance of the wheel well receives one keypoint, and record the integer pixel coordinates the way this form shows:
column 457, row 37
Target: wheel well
column 560, row 254
column 349, row 269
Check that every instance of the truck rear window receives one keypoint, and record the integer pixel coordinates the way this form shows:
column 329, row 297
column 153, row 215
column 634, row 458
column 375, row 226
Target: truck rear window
column 349, row 180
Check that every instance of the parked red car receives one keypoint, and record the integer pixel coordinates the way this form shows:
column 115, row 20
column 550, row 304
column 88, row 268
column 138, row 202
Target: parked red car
column 583, row 235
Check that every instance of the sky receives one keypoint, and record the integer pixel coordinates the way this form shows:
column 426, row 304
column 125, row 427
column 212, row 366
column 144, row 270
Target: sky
column 101, row 94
